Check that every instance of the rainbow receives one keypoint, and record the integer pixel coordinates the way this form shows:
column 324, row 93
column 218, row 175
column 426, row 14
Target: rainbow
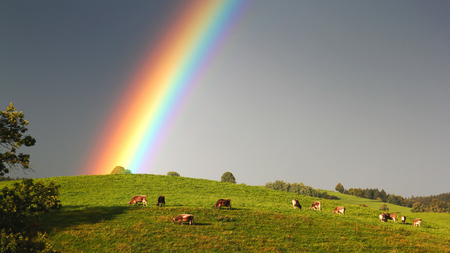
column 142, row 119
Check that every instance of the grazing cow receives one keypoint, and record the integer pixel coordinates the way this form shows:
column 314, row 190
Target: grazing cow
column 296, row 204
column 384, row 217
column 140, row 198
column 417, row 222
column 316, row 206
column 223, row 202
column 161, row 201
column 393, row 217
column 339, row 210
column 403, row 218
column 184, row 217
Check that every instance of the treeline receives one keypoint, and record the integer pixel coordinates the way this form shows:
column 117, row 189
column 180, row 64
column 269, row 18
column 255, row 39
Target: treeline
column 298, row 188
column 2, row 178
column 438, row 204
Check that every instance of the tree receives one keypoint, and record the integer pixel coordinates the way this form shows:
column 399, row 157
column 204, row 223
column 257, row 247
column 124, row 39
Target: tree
column 173, row 173
column 339, row 188
column 228, row 177
column 392, row 199
column 384, row 207
column 418, row 208
column 12, row 129
column 120, row 170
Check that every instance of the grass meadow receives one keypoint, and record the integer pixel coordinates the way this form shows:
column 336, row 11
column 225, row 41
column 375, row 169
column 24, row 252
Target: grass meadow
column 95, row 217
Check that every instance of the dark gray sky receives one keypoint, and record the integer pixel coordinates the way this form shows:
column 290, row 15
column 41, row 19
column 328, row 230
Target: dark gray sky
column 319, row 92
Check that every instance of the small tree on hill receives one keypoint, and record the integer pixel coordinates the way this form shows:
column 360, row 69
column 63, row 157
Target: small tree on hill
column 418, row 208
column 228, row 177
column 339, row 188
column 384, row 207
column 173, row 173
column 120, row 170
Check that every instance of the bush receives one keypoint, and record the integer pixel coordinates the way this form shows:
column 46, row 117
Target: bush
column 363, row 205
column 173, row 173
column 120, row 170
column 228, row 177
column 384, row 207
column 17, row 242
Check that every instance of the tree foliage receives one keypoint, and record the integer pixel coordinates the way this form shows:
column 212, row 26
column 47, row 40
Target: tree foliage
column 339, row 187
column 228, row 177
column 173, row 173
column 12, row 137
column 24, row 200
column 120, row 170
column 384, row 207
column 298, row 188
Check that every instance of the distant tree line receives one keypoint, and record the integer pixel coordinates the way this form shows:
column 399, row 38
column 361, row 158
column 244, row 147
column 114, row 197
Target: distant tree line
column 438, row 204
column 8, row 178
column 298, row 188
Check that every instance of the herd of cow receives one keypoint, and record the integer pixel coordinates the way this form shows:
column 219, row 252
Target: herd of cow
column 384, row 217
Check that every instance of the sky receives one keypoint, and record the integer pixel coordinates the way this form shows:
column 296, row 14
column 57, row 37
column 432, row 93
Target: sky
column 318, row 92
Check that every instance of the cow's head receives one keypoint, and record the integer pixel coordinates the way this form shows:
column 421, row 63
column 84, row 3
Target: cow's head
column 173, row 221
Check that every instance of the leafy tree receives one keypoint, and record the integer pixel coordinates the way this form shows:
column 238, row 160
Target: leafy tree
column 173, row 173
column 384, row 207
column 26, row 199
column 418, row 208
column 339, row 188
column 228, row 177
column 392, row 199
column 12, row 130
column 383, row 195
column 120, row 170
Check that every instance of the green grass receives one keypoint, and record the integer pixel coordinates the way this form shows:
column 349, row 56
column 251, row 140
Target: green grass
column 96, row 218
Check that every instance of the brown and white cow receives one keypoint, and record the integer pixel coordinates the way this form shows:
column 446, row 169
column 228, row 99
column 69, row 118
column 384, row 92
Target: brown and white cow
column 296, row 204
column 417, row 222
column 316, row 206
column 393, row 216
column 223, row 202
column 403, row 218
column 384, row 217
column 339, row 210
column 139, row 198
column 161, row 201
column 184, row 217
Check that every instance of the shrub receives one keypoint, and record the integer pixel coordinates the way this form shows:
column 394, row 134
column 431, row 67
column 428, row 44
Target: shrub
column 120, row 170
column 228, row 177
column 173, row 173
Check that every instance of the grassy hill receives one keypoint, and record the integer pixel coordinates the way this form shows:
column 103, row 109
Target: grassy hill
column 96, row 218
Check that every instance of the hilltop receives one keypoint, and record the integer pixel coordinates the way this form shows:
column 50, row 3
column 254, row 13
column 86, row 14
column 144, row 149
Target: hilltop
column 96, row 218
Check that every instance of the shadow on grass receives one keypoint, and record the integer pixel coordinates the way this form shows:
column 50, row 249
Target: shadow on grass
column 79, row 215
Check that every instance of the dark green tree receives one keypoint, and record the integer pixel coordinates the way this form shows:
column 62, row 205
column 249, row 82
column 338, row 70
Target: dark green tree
column 173, row 173
column 12, row 137
column 392, row 199
column 340, row 188
column 418, row 208
column 384, row 207
column 228, row 177
column 383, row 195
column 120, row 170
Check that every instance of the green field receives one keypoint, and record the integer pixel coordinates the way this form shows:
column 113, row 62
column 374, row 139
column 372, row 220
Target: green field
column 96, row 218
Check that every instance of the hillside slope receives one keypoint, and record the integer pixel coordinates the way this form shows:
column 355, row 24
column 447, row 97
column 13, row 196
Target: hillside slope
column 96, row 218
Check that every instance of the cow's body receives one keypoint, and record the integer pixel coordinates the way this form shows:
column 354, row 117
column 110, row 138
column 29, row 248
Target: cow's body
column 161, row 201
column 139, row 198
column 316, row 206
column 403, row 218
column 223, row 202
column 296, row 204
column 417, row 222
column 339, row 210
column 184, row 217
column 384, row 217
column 393, row 217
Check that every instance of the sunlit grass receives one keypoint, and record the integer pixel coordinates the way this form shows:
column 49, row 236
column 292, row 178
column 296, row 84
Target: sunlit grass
column 96, row 218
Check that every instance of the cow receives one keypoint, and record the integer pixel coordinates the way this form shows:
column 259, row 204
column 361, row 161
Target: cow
column 393, row 217
column 403, row 218
column 384, row 217
column 339, row 210
column 296, row 204
column 223, row 202
column 184, row 217
column 161, row 201
column 316, row 206
column 417, row 222
column 139, row 198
